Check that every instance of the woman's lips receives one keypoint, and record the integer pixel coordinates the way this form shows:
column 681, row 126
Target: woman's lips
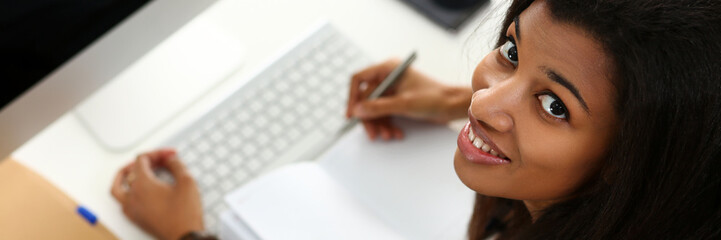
column 478, row 155
column 477, row 130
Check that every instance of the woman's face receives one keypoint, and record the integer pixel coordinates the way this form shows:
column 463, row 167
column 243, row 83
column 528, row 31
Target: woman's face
column 541, row 114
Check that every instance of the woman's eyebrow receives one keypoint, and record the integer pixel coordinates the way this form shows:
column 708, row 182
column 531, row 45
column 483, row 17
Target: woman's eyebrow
column 558, row 78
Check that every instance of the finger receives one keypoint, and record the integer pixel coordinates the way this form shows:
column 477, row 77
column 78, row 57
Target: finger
column 358, row 81
column 385, row 132
column 155, row 157
column 361, row 89
column 388, row 129
column 393, row 130
column 160, row 156
column 143, row 169
column 371, row 77
column 118, row 191
column 398, row 133
column 167, row 152
column 385, row 106
column 177, row 169
column 353, row 94
column 371, row 129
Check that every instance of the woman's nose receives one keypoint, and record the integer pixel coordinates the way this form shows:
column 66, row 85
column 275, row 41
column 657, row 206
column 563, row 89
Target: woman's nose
column 495, row 106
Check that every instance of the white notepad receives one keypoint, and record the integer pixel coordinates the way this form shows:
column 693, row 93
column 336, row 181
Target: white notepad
column 363, row 190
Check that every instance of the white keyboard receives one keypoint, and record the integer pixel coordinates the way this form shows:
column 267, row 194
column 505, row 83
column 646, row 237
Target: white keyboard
column 291, row 111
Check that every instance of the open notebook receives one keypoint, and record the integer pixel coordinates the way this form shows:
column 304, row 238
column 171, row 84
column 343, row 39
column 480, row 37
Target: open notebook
column 363, row 190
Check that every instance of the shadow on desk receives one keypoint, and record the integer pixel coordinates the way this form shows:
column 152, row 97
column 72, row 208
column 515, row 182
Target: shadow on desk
column 32, row 208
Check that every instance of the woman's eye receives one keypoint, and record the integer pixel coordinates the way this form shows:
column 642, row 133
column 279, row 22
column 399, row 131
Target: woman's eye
column 509, row 51
column 552, row 105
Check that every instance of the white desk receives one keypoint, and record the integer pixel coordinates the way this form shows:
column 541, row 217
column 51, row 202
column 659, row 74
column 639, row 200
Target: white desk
column 70, row 158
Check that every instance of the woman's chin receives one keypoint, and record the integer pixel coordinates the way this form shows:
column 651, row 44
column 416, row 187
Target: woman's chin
column 473, row 180
column 458, row 162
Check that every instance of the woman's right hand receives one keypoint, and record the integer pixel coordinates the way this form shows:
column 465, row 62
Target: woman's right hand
column 165, row 210
column 415, row 96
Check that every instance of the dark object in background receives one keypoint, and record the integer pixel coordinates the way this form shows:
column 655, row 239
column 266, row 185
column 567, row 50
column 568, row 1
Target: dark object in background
column 449, row 14
column 37, row 36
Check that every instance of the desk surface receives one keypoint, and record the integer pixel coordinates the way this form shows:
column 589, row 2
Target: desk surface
column 70, row 158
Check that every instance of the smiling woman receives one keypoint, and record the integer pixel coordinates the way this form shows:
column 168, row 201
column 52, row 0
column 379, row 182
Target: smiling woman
column 591, row 120
column 622, row 138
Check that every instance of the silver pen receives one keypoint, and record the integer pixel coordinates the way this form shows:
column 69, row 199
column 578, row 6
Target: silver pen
column 391, row 79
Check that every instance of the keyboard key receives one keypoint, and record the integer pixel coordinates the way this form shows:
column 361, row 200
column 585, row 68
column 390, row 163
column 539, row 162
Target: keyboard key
column 302, row 109
column 216, row 137
column 280, row 143
column 286, row 100
column 293, row 133
column 249, row 149
column 306, row 123
column 300, row 92
column 210, row 198
column 208, row 181
column 229, row 126
column 203, row 146
column 240, row 176
column 207, row 162
column 227, row 186
column 274, row 111
column 260, row 121
column 221, row 152
column 195, row 172
column 320, row 57
column 266, row 154
column 234, row 142
column 247, row 131
column 282, row 86
column 242, row 116
column 222, row 170
column 254, row 164
column 236, row 160
column 256, row 106
column 263, row 138
column 307, row 67
column 295, row 77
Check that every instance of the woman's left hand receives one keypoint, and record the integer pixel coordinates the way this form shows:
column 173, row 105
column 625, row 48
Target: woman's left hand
column 166, row 211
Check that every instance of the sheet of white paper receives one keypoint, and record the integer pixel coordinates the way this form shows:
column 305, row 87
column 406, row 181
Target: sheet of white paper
column 361, row 189
column 301, row 201
column 410, row 185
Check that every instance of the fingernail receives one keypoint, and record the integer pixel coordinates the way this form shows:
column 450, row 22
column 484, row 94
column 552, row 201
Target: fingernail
column 358, row 111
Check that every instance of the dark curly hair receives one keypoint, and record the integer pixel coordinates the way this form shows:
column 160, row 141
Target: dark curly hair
column 662, row 176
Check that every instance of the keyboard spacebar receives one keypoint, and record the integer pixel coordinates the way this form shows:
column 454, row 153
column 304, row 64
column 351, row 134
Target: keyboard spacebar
column 307, row 148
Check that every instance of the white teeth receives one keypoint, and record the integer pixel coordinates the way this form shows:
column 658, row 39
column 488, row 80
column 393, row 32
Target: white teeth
column 494, row 153
column 486, row 148
column 478, row 143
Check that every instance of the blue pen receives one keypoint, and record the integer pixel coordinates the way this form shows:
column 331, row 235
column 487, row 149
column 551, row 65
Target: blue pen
column 87, row 215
